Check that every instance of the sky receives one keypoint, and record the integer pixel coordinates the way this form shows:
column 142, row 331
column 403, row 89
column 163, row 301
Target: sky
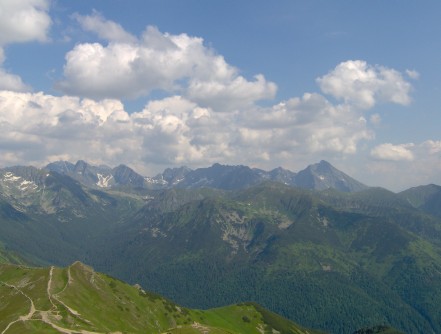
column 166, row 83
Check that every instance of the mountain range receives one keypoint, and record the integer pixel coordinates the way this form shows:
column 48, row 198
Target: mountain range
column 317, row 246
column 317, row 176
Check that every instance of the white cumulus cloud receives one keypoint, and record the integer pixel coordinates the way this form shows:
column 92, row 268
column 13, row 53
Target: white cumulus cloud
column 9, row 81
column 36, row 127
column 310, row 124
column 21, row 21
column 363, row 85
column 233, row 94
column 105, row 29
column 129, row 68
column 393, row 152
column 24, row 21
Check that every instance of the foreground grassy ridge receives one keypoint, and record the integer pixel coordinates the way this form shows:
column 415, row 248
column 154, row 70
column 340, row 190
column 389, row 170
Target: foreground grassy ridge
column 76, row 299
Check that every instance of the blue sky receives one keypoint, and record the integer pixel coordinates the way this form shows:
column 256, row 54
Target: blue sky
column 156, row 84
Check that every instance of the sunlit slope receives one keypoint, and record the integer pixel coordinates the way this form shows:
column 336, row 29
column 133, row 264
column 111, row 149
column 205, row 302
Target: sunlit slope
column 77, row 299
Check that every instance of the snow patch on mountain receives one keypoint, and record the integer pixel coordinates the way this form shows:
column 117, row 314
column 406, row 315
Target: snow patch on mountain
column 26, row 185
column 155, row 180
column 10, row 177
column 104, row 180
column 19, row 182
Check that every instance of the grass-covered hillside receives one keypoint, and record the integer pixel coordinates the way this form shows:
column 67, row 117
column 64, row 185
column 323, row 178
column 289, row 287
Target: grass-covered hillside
column 77, row 299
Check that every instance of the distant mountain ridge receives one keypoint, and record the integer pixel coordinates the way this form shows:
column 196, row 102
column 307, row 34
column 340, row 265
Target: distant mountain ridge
column 98, row 176
column 318, row 176
column 426, row 198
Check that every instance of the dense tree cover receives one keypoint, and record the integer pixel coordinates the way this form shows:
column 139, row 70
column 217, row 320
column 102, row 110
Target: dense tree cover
column 328, row 300
column 380, row 329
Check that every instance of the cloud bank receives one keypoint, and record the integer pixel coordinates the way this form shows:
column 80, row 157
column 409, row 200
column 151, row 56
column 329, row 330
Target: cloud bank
column 181, row 130
column 209, row 112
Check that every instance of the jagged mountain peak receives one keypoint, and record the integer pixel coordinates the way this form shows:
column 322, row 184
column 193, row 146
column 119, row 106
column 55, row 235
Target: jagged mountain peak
column 61, row 167
column 84, row 166
column 222, row 176
column 323, row 166
column 323, row 175
column 175, row 175
column 101, row 176
column 125, row 175
column 21, row 179
column 283, row 175
column 83, row 172
column 122, row 169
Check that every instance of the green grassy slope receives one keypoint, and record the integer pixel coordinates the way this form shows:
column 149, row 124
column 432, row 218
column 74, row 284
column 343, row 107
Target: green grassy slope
column 77, row 299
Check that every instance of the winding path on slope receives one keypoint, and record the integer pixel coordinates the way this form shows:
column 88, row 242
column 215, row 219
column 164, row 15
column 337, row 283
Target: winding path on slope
column 22, row 317
column 55, row 296
column 46, row 315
